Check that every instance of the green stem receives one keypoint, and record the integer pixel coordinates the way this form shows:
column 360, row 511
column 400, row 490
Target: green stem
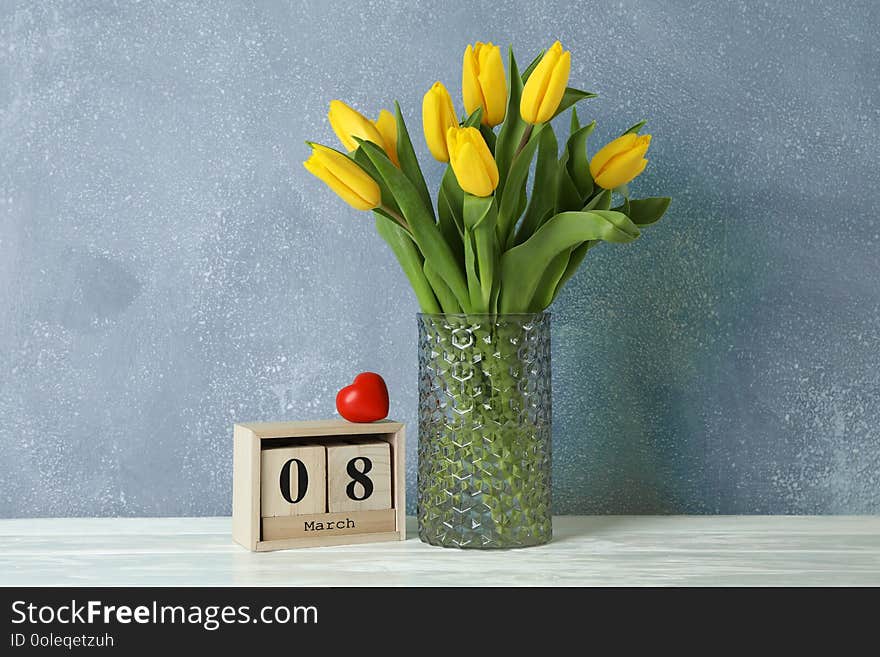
column 525, row 139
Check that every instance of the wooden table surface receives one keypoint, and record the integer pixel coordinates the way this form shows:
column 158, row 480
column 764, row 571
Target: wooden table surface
column 586, row 550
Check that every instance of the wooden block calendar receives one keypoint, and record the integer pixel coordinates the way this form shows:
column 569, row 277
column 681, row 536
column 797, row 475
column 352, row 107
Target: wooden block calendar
column 358, row 476
column 331, row 482
column 292, row 480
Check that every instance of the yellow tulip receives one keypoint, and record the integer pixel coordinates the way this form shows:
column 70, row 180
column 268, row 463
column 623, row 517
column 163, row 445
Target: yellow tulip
column 438, row 115
column 344, row 176
column 471, row 161
column 483, row 83
column 386, row 124
column 546, row 86
column 620, row 161
column 348, row 123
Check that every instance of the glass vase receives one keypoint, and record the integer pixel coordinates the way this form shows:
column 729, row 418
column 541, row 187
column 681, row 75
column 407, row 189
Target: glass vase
column 484, row 430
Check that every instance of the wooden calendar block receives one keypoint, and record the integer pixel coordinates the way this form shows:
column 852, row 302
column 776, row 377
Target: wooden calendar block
column 358, row 476
column 293, row 481
column 318, row 526
column 260, row 451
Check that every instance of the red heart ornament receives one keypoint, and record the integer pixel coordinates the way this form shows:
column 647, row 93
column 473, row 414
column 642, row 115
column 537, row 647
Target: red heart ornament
column 365, row 400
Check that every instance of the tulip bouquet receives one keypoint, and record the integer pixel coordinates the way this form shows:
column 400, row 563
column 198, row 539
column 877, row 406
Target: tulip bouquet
column 489, row 246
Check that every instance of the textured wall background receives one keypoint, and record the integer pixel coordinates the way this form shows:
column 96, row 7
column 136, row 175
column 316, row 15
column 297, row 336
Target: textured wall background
column 167, row 267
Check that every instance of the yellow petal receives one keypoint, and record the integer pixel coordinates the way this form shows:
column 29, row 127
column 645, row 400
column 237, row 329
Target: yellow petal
column 620, row 161
column 386, row 124
column 610, row 150
column 536, row 86
column 336, row 185
column 449, row 116
column 455, row 139
column 431, row 124
column 471, row 161
column 438, row 115
column 344, row 177
column 493, row 85
column 643, row 142
column 620, row 174
column 482, row 150
column 348, row 123
column 471, row 93
column 469, row 170
column 555, row 88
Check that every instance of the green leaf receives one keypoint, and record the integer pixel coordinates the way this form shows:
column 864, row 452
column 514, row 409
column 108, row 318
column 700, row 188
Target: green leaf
column 618, row 228
column 520, row 208
column 523, row 266
column 513, row 128
column 574, row 262
column 543, row 201
column 473, row 121
column 646, row 211
column 493, row 303
column 470, row 268
column 489, row 137
column 480, row 217
column 448, row 228
column 367, row 165
column 449, row 212
column 577, row 164
column 409, row 258
column 575, row 121
column 567, row 195
column 477, row 210
column 447, row 299
column 601, row 201
column 531, row 67
column 454, row 194
column 409, row 163
column 425, row 232
column 570, row 97
column 514, row 187
column 546, row 288
column 634, row 129
column 527, row 229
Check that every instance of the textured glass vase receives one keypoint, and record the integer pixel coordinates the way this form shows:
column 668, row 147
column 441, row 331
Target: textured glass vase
column 484, row 430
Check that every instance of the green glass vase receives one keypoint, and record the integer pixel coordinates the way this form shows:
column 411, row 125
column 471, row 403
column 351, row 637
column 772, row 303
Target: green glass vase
column 484, row 430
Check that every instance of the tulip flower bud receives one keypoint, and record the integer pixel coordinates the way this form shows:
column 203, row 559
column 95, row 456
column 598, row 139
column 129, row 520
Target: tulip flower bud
column 483, row 83
column 438, row 115
column 348, row 123
column 344, row 176
column 546, row 85
column 471, row 161
column 620, row 161
column 386, row 124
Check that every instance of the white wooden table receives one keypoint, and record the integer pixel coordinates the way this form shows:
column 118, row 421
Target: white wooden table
column 591, row 550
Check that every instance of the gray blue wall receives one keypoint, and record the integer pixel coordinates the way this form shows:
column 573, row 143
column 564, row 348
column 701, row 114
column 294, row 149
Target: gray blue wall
column 167, row 267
